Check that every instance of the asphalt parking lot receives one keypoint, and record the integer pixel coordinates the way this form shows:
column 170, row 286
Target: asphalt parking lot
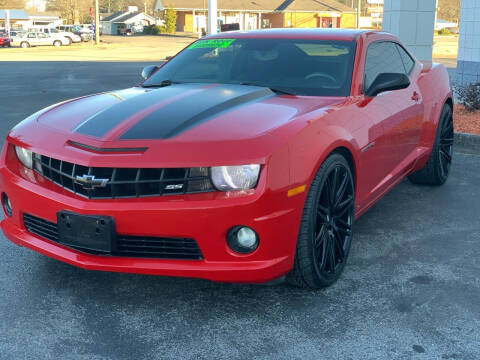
column 411, row 289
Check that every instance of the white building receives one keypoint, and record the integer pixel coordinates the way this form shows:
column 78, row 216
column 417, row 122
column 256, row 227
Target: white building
column 119, row 22
column 41, row 21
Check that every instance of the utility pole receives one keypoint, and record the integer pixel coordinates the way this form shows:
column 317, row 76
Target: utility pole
column 212, row 17
column 7, row 22
column 359, row 13
column 97, row 24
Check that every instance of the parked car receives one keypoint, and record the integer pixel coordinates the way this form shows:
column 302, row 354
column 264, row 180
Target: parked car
column 245, row 158
column 84, row 32
column 16, row 33
column 71, row 37
column 5, row 40
column 38, row 39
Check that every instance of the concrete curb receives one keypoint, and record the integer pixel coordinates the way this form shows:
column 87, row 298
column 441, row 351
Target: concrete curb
column 468, row 141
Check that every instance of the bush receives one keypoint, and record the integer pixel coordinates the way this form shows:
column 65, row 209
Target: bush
column 147, row 29
column 469, row 96
column 444, row 31
column 153, row 29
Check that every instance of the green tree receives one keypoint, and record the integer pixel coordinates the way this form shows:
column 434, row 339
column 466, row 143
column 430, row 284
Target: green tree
column 170, row 20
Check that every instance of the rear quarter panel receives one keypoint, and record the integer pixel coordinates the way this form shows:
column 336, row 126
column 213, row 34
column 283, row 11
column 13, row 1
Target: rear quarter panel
column 436, row 90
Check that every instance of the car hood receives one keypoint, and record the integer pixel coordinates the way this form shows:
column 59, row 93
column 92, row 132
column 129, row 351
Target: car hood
column 188, row 121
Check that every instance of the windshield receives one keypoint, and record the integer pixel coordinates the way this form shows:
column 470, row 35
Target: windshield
column 297, row 66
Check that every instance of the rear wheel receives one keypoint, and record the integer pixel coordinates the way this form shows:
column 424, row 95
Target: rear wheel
column 437, row 168
column 25, row 45
column 57, row 43
column 326, row 228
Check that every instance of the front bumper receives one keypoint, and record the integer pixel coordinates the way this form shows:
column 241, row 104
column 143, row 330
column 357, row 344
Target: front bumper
column 206, row 218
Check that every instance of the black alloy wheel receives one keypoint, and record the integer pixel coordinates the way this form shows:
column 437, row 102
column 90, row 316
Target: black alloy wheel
column 446, row 144
column 437, row 168
column 333, row 221
column 325, row 232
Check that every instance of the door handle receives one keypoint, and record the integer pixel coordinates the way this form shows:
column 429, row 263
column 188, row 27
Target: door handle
column 415, row 96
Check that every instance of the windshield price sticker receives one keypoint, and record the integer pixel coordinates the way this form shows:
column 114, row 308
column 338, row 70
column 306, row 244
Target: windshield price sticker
column 211, row 44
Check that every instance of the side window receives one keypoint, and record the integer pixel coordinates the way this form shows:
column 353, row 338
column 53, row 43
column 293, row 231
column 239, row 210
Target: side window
column 407, row 60
column 382, row 57
column 31, row 36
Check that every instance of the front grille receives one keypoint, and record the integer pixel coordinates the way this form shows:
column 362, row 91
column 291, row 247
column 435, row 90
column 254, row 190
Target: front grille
column 122, row 182
column 125, row 245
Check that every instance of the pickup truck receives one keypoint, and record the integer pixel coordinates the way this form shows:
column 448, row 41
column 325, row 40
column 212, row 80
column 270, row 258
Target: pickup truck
column 71, row 37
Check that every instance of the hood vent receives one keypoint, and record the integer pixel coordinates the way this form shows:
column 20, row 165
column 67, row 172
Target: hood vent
column 105, row 150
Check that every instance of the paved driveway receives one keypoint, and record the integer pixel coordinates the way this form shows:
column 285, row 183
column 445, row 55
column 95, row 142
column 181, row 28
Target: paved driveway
column 411, row 289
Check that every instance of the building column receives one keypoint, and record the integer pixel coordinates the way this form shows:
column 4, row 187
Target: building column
column 212, row 17
column 194, row 21
column 413, row 21
column 468, row 63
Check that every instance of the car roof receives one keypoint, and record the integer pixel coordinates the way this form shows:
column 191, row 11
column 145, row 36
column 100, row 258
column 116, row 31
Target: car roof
column 297, row 33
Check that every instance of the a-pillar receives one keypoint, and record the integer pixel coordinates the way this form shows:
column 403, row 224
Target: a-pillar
column 468, row 63
column 413, row 22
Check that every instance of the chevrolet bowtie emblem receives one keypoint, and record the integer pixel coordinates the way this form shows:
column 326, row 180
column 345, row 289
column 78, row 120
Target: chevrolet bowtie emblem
column 89, row 182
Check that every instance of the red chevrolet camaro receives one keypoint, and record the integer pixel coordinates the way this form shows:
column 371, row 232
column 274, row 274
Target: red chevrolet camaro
column 245, row 158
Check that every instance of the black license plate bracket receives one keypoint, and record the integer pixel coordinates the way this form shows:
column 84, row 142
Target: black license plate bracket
column 92, row 232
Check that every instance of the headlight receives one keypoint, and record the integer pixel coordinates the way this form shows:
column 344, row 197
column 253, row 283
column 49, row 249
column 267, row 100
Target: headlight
column 243, row 177
column 25, row 156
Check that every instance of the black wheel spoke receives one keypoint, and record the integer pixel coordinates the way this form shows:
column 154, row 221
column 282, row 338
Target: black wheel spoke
column 331, row 257
column 447, row 128
column 339, row 245
column 320, row 238
column 442, row 168
column 322, row 212
column 344, row 206
column 446, row 155
column 329, row 192
column 341, row 189
column 344, row 227
column 323, row 256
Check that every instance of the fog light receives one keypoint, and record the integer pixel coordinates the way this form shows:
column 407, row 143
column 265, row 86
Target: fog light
column 7, row 205
column 242, row 239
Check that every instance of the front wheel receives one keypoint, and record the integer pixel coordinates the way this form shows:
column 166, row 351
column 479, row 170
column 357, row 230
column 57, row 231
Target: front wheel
column 57, row 43
column 326, row 227
column 25, row 45
column 437, row 168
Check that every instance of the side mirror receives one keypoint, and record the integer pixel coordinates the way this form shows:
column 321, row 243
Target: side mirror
column 148, row 71
column 388, row 82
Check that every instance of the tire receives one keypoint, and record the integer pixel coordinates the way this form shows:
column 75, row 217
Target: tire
column 25, row 45
column 436, row 170
column 57, row 43
column 325, row 232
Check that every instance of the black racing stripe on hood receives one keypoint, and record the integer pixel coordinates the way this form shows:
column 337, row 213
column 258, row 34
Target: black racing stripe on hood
column 99, row 124
column 193, row 110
